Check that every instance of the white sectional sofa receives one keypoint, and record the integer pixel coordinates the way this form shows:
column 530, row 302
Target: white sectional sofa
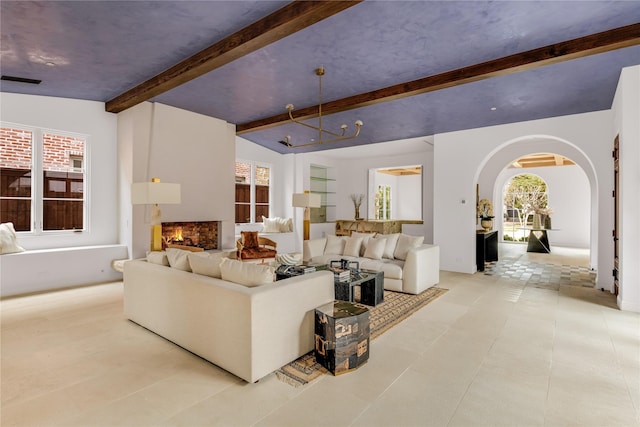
column 249, row 331
column 409, row 265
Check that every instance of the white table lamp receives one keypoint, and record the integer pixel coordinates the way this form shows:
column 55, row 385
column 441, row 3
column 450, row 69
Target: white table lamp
column 155, row 193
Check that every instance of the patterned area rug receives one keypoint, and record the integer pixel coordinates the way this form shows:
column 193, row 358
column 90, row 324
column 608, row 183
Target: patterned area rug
column 395, row 308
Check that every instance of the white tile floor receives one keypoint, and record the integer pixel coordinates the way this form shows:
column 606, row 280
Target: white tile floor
column 488, row 352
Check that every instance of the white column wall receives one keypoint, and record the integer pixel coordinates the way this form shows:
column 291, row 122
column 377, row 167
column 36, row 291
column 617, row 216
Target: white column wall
column 178, row 146
column 626, row 108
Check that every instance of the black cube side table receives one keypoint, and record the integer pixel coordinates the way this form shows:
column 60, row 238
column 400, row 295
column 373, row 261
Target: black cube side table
column 342, row 336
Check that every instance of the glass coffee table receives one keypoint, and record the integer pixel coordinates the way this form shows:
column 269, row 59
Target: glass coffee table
column 371, row 285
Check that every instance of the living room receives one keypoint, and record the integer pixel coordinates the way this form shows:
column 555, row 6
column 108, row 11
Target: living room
column 491, row 350
column 210, row 144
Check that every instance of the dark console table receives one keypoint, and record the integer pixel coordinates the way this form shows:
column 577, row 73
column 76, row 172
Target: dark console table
column 486, row 247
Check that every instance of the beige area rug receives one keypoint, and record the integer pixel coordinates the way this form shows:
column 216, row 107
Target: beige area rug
column 395, row 308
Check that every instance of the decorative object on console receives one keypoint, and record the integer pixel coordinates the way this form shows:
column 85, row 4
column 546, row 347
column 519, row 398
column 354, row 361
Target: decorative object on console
column 306, row 200
column 335, row 137
column 155, row 193
column 485, row 213
column 357, row 202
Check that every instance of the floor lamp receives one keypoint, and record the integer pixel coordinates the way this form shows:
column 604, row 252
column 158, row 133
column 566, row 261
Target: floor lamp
column 307, row 201
column 155, row 193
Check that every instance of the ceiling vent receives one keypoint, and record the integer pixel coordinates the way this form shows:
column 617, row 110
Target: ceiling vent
column 21, row 80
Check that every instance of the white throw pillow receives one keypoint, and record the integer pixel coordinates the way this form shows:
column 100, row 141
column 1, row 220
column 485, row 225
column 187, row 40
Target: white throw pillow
column 365, row 240
column 207, row 264
column 246, row 273
column 270, row 225
column 405, row 244
column 8, row 240
column 352, row 246
column 392, row 240
column 178, row 259
column 285, row 225
column 375, row 248
column 335, row 245
column 158, row 257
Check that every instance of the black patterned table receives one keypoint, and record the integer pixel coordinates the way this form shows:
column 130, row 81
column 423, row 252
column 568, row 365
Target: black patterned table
column 342, row 336
column 371, row 287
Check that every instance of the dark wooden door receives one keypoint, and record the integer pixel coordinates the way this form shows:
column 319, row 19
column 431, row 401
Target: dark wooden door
column 616, row 210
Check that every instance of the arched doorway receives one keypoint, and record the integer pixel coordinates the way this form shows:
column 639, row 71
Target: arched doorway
column 575, row 212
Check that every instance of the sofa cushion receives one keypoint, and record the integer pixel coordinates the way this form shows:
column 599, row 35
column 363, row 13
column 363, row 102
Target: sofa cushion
column 392, row 269
column 207, row 264
column 352, row 246
column 406, row 243
column 392, row 240
column 245, row 273
column 178, row 259
column 249, row 239
column 366, row 237
column 158, row 257
column 335, row 245
column 375, row 248
column 8, row 240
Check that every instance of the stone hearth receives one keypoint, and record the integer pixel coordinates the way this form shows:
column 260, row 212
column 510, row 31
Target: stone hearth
column 201, row 234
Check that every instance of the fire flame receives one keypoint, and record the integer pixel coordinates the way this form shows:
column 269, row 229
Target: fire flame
column 177, row 237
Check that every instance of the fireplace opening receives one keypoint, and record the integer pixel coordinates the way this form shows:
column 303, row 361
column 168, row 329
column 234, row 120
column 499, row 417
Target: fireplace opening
column 199, row 234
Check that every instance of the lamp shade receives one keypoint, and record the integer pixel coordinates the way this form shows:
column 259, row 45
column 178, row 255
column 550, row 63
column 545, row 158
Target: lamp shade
column 151, row 193
column 306, row 200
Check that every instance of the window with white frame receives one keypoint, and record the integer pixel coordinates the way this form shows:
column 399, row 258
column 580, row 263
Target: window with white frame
column 42, row 179
column 253, row 196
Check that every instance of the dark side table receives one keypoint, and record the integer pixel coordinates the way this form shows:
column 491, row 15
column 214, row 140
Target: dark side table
column 342, row 336
column 486, row 248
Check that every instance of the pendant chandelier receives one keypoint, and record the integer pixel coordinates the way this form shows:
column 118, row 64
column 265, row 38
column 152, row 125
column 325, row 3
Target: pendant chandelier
column 322, row 133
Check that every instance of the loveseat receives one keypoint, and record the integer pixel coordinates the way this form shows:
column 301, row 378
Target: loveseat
column 408, row 265
column 249, row 331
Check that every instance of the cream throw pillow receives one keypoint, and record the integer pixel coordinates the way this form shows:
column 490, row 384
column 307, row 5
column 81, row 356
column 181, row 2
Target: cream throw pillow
column 335, row 245
column 158, row 257
column 245, row 273
column 405, row 244
column 207, row 264
column 392, row 240
column 8, row 239
column 277, row 225
column 366, row 237
column 375, row 248
column 270, row 225
column 286, row 225
column 178, row 259
column 352, row 246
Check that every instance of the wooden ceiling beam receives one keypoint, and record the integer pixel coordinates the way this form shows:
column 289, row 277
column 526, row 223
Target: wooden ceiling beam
column 291, row 18
column 577, row 48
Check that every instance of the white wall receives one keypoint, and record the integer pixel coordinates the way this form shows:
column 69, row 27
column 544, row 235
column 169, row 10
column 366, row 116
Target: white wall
column 585, row 138
column 85, row 117
column 626, row 109
column 569, row 196
column 39, row 268
column 182, row 147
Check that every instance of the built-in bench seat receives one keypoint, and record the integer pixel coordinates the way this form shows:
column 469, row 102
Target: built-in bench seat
column 45, row 269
